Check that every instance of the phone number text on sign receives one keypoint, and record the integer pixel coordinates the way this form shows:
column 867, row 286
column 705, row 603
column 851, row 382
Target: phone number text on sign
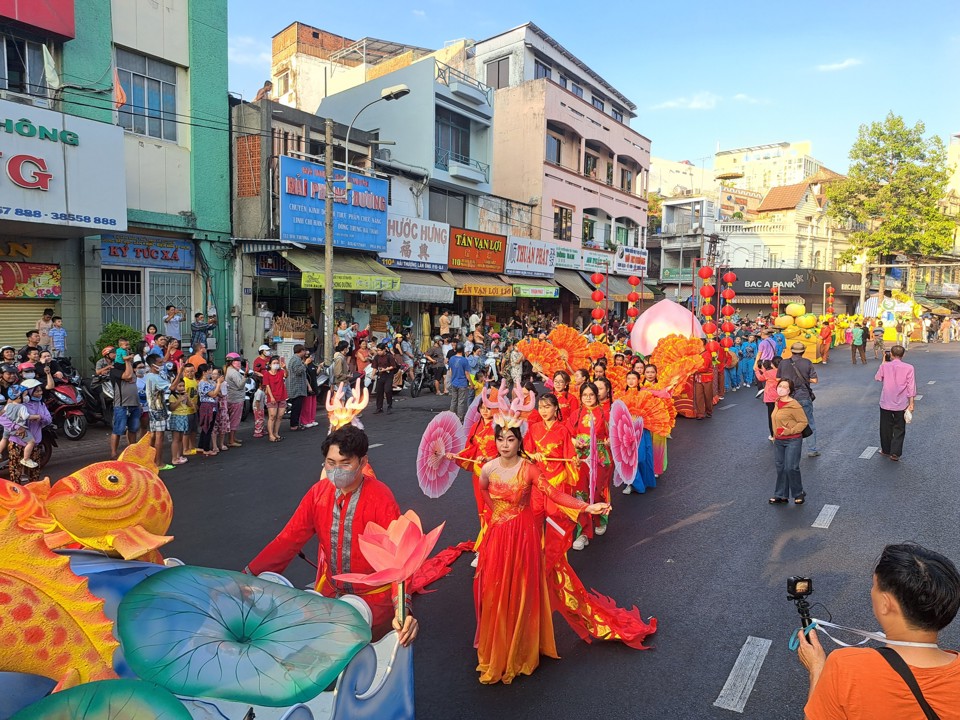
column 62, row 217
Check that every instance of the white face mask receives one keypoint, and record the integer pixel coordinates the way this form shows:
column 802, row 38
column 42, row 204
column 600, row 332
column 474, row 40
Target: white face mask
column 29, row 375
column 274, row 366
column 783, row 392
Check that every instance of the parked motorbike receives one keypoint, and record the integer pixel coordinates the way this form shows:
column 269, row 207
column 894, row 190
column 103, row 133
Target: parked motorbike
column 42, row 452
column 422, row 376
column 65, row 403
column 97, row 400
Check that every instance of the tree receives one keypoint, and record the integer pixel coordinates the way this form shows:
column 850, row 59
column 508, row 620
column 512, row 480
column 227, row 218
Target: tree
column 654, row 212
column 897, row 179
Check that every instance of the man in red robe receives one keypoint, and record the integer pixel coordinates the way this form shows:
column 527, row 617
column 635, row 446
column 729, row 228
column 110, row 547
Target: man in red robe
column 337, row 509
column 703, row 381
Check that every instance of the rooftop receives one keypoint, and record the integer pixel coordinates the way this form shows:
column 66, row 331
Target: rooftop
column 787, row 197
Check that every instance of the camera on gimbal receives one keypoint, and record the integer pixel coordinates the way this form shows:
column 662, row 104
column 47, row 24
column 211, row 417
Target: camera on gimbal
column 798, row 589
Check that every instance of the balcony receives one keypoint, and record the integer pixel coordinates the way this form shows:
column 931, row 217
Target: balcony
column 461, row 167
column 463, row 86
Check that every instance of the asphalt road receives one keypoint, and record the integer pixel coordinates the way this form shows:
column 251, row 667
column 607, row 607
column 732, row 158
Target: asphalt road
column 703, row 552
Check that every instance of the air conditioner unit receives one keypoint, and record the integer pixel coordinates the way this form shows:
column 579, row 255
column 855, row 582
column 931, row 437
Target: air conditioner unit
column 24, row 99
column 382, row 154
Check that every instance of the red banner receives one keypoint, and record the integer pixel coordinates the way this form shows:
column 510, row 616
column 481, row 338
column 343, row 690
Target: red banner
column 55, row 16
column 32, row 281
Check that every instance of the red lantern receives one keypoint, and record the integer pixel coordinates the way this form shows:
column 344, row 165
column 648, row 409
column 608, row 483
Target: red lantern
column 728, row 327
column 705, row 272
column 633, row 297
column 830, row 290
column 629, row 327
column 596, row 278
column 727, row 310
column 708, row 310
column 633, row 280
column 775, row 292
column 774, row 303
column 632, row 312
column 707, row 291
column 728, row 294
column 597, row 296
column 710, row 328
column 596, row 330
column 597, row 313
column 774, row 314
column 729, row 277
column 713, row 346
column 727, row 342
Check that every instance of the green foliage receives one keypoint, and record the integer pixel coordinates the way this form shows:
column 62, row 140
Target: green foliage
column 654, row 212
column 112, row 332
column 896, row 180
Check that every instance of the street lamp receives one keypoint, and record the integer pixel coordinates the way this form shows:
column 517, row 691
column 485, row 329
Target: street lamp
column 394, row 92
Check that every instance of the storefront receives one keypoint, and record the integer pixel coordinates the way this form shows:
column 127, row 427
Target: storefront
column 476, row 259
column 529, row 269
column 804, row 285
column 26, row 289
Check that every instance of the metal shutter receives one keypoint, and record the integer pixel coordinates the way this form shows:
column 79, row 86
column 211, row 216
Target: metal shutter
column 18, row 316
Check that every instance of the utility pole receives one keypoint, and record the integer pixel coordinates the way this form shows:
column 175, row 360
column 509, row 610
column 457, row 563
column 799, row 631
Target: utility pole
column 328, row 245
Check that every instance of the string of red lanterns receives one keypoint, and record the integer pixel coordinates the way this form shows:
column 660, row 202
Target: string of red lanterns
column 633, row 297
column 707, row 291
column 775, row 301
column 830, row 292
column 598, row 313
column 728, row 310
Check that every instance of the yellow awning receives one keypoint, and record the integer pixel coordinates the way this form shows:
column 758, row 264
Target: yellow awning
column 351, row 271
column 478, row 285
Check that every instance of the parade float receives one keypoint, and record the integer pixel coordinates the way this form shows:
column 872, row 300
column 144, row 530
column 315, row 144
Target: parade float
column 96, row 625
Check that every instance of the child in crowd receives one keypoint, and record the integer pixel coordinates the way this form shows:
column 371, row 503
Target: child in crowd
column 259, row 411
column 19, row 415
column 209, row 389
column 43, row 327
column 190, row 384
column 222, row 427
column 58, row 338
column 180, row 408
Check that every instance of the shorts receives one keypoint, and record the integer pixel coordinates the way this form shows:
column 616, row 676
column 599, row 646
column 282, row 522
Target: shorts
column 159, row 420
column 179, row 423
column 126, row 420
column 275, row 405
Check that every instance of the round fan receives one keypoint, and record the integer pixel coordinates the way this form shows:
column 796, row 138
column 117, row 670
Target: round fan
column 572, row 347
column 659, row 414
column 623, row 443
column 617, row 375
column 443, row 435
column 672, row 348
column 675, row 374
column 544, row 357
column 597, row 350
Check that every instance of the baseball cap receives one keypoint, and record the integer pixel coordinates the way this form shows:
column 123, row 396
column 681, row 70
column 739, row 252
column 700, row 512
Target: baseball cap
column 263, row 347
column 797, row 347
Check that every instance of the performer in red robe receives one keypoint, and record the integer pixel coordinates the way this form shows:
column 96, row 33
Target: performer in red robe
column 590, row 414
column 337, row 509
column 480, row 448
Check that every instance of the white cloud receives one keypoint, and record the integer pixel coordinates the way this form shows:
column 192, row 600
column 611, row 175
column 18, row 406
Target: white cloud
column 834, row 67
column 245, row 50
column 700, row 101
column 749, row 99
column 419, row 13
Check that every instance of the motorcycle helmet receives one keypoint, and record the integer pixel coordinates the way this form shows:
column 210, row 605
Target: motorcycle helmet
column 107, row 350
column 26, row 366
column 29, row 385
column 8, row 368
column 233, row 356
column 15, row 391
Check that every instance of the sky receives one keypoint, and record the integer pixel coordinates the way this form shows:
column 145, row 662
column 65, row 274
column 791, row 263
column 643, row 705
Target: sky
column 703, row 74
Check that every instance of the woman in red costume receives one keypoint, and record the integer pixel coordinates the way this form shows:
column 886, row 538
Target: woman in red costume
column 590, row 415
column 604, row 393
column 633, row 383
column 560, row 386
column 514, row 590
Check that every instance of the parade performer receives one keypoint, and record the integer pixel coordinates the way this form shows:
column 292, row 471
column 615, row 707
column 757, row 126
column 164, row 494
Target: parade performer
column 337, row 509
column 514, row 620
column 658, row 443
column 703, row 383
column 591, row 418
column 560, row 386
column 748, row 354
column 732, row 371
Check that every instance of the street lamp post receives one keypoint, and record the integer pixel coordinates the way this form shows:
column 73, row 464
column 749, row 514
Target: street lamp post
column 391, row 93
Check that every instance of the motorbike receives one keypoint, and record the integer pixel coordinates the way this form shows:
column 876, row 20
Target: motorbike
column 97, row 400
column 422, row 376
column 66, row 405
column 42, row 452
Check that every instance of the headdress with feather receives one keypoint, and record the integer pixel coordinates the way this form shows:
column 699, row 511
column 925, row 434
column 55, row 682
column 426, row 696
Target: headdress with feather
column 341, row 413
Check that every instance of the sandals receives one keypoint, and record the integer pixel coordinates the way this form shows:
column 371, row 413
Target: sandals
column 800, row 499
column 778, row 501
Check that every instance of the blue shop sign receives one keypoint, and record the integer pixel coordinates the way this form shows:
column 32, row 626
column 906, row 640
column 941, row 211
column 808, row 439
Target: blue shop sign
column 147, row 251
column 359, row 214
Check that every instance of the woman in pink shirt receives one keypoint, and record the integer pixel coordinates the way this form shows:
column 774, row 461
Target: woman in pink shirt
column 766, row 372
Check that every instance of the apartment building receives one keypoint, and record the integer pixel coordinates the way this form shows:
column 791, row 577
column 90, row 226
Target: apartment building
column 762, row 167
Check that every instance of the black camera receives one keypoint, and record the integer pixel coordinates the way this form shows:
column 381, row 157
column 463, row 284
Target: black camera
column 798, row 589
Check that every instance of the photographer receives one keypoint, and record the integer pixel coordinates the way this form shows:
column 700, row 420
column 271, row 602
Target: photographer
column 915, row 594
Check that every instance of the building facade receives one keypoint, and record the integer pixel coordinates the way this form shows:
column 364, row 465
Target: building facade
column 135, row 212
column 762, row 167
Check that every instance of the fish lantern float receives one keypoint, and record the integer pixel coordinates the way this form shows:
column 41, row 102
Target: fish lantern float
column 783, row 321
column 806, row 321
column 795, row 309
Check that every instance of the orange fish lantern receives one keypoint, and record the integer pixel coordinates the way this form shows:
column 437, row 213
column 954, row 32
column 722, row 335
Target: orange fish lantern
column 121, row 507
column 340, row 412
column 26, row 502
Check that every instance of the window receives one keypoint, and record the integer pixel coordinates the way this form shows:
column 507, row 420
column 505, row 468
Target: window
column 577, row 90
column 623, row 235
column 21, row 66
column 626, row 180
column 447, row 207
column 589, row 225
column 590, row 163
column 562, row 223
column 563, row 81
column 498, row 73
column 151, row 89
column 452, row 137
column 598, row 103
column 540, row 70
column 616, row 114
column 283, row 84
column 553, row 149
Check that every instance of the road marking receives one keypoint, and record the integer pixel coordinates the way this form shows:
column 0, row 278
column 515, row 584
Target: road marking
column 932, row 382
column 826, row 516
column 727, row 407
column 736, row 691
column 868, row 453
column 919, row 397
column 376, row 445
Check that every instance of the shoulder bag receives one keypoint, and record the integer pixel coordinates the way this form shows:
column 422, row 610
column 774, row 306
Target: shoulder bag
column 806, row 382
column 903, row 670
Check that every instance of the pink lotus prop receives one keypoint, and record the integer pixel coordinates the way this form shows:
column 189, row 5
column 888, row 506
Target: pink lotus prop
column 593, row 462
column 664, row 318
column 435, row 471
column 624, row 443
column 395, row 552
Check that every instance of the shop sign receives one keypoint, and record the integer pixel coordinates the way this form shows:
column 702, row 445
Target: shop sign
column 60, row 169
column 273, row 264
column 630, row 261
column 477, row 290
column 359, row 212
column 477, row 251
column 147, row 251
column 797, row 281
column 950, row 290
column 681, row 274
column 920, row 287
column 29, row 280
column 416, row 244
column 55, row 16
column 568, row 258
column 530, row 258
column 342, row 281
column 594, row 261
column 536, row 291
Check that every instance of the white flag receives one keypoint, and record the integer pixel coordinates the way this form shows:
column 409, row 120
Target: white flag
column 50, row 69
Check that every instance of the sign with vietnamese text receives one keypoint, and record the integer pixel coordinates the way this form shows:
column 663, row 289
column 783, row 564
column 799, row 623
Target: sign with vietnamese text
column 475, row 251
column 273, row 264
column 21, row 281
column 681, row 274
column 536, row 291
column 594, row 261
column 530, row 258
column 416, row 243
column 146, row 251
column 479, row 290
column 60, row 169
column 346, row 281
column 359, row 207
column 568, row 258
column 630, row 261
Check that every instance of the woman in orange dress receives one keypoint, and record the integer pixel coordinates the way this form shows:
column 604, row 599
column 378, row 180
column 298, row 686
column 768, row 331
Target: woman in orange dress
column 511, row 591
column 590, row 414
column 480, row 448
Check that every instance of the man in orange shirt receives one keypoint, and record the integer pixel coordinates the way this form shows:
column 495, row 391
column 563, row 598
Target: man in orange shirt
column 826, row 335
column 915, row 594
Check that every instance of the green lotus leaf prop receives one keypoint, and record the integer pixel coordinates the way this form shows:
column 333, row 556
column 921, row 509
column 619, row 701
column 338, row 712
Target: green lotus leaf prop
column 107, row 700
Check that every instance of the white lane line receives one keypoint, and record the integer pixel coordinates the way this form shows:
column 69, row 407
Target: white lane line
column 727, row 407
column 868, row 453
column 932, row 382
column 918, row 397
column 376, row 445
column 826, row 516
column 736, row 691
